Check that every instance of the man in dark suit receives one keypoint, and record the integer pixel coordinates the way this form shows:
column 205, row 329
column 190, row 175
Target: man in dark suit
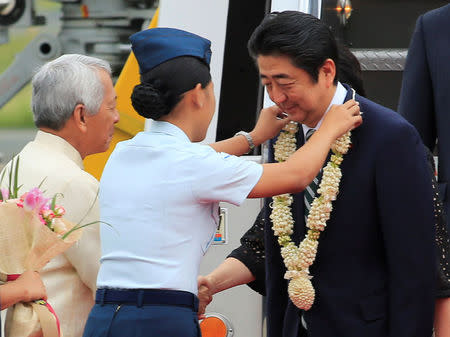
column 374, row 270
column 425, row 95
column 425, row 103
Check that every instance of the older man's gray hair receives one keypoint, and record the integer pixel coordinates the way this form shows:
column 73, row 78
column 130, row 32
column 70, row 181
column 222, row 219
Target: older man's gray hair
column 61, row 84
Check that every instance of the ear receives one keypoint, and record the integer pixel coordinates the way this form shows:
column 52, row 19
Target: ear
column 328, row 71
column 79, row 116
column 198, row 96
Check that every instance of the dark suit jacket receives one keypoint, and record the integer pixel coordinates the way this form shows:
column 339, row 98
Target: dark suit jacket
column 425, row 95
column 374, row 274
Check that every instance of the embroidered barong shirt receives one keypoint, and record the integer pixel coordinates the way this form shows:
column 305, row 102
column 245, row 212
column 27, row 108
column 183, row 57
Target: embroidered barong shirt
column 69, row 278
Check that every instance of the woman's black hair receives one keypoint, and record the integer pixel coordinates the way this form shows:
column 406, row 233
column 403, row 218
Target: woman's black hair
column 350, row 69
column 162, row 88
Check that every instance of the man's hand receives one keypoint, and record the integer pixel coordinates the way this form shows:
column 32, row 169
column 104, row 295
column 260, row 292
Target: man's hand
column 205, row 294
column 270, row 122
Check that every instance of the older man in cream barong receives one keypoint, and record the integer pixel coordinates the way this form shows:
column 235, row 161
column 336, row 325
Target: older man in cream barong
column 74, row 108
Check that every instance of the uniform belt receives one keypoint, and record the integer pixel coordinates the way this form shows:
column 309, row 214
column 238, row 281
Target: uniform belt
column 140, row 297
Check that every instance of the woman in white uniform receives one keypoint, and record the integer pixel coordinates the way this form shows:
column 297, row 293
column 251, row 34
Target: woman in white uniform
column 161, row 190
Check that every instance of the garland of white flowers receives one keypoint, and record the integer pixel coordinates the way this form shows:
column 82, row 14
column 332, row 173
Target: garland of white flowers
column 298, row 259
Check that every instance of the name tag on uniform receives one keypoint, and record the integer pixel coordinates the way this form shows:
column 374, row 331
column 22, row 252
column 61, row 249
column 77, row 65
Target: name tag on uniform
column 220, row 237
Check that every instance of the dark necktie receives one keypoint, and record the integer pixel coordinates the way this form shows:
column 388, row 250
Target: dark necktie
column 311, row 189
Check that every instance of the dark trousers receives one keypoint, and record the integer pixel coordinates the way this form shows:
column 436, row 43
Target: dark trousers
column 143, row 313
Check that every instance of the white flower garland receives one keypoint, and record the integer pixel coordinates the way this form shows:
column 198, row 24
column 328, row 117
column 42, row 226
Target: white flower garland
column 298, row 259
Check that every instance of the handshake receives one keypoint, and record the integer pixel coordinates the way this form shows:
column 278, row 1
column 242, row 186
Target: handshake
column 205, row 294
column 232, row 272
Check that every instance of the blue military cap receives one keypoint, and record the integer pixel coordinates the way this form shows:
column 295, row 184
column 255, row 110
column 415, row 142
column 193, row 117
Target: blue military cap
column 157, row 45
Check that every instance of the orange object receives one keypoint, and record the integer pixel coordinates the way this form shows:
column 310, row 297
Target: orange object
column 84, row 11
column 213, row 327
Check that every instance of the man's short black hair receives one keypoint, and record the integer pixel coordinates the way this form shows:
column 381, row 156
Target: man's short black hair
column 306, row 40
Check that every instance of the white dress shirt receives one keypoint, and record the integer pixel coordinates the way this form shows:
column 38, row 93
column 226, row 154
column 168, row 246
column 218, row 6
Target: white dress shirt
column 69, row 278
column 338, row 98
column 161, row 194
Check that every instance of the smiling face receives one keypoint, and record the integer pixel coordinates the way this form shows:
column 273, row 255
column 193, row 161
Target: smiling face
column 293, row 90
column 101, row 125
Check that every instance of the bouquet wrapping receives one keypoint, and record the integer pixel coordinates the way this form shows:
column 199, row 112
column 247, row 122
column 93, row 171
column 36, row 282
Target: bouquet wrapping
column 31, row 234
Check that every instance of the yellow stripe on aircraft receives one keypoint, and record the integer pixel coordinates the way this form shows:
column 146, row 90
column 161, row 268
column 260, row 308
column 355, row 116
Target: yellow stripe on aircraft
column 130, row 122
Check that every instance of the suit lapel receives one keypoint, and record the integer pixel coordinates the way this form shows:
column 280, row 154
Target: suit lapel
column 349, row 96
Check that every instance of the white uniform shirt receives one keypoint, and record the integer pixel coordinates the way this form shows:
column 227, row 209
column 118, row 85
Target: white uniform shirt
column 161, row 194
column 70, row 278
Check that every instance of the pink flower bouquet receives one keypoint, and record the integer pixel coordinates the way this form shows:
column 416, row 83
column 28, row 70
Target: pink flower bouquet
column 32, row 232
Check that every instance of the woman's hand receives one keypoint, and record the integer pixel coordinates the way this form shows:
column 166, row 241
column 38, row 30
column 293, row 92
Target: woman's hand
column 342, row 118
column 28, row 287
column 270, row 122
column 31, row 283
